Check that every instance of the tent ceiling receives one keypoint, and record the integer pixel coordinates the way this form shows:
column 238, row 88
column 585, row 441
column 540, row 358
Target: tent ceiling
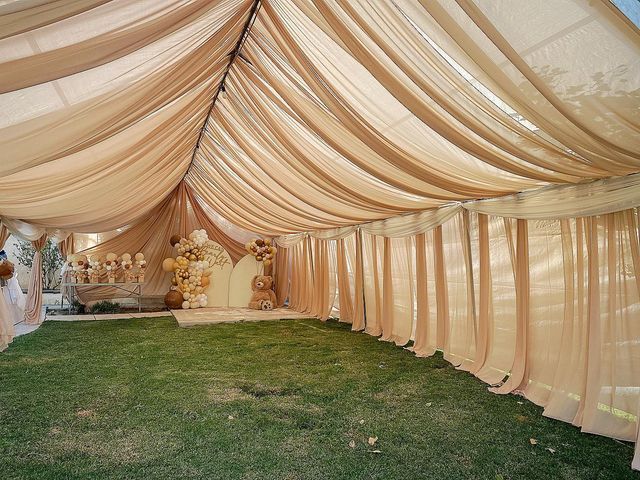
column 333, row 113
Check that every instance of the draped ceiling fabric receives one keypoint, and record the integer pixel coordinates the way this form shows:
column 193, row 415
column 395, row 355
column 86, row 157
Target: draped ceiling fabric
column 463, row 174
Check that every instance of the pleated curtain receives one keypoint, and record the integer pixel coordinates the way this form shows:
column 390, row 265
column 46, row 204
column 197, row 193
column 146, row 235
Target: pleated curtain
column 547, row 308
column 454, row 181
column 33, row 309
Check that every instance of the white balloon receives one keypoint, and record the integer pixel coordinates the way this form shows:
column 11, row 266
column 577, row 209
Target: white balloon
column 185, row 305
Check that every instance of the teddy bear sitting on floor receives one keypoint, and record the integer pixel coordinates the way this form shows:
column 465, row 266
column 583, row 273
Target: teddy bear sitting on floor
column 263, row 297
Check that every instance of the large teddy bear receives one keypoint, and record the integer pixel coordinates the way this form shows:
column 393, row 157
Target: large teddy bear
column 263, row 298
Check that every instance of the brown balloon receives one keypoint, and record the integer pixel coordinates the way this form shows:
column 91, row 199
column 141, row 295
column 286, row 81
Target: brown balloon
column 260, row 242
column 173, row 299
column 174, row 240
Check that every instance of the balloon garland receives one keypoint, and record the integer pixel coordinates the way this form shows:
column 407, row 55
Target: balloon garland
column 77, row 265
column 141, row 263
column 110, row 265
column 127, row 267
column 82, row 269
column 262, row 250
column 93, row 270
column 191, row 269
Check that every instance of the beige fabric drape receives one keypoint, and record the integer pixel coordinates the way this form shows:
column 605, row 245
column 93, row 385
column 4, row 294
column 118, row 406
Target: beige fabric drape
column 411, row 126
column 456, row 179
column 30, row 233
column 563, row 95
column 282, row 276
column 6, row 319
column 67, row 246
column 358, row 322
column 134, row 117
column 372, row 278
column 565, row 201
column 542, row 307
column 33, row 307
column 4, row 235
column 345, row 295
column 112, row 36
column 178, row 214
column 398, row 286
column 16, row 18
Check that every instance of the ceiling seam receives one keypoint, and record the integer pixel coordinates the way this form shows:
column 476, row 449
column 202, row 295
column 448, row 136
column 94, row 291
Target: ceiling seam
column 253, row 13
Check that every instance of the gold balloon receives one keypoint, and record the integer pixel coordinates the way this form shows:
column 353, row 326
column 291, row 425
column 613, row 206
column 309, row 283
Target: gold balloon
column 167, row 264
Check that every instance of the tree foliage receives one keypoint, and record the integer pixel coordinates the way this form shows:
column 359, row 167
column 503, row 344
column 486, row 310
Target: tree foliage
column 51, row 261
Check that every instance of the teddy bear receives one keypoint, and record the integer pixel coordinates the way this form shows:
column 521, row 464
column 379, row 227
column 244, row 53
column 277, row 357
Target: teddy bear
column 263, row 297
column 6, row 269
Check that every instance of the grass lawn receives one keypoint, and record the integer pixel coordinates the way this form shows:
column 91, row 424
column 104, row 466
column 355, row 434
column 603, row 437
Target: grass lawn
column 283, row 400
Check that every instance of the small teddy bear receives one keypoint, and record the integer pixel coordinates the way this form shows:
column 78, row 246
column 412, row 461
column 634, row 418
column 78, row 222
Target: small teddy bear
column 263, row 297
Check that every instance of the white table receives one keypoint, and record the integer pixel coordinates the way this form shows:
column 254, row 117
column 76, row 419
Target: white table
column 131, row 288
column 11, row 311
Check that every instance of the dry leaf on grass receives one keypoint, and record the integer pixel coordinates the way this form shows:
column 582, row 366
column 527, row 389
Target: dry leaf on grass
column 428, row 404
column 352, row 444
column 533, row 441
column 372, row 440
column 551, row 450
column 361, row 422
column 230, row 417
column 374, row 451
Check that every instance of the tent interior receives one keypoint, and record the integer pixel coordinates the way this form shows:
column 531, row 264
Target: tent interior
column 455, row 175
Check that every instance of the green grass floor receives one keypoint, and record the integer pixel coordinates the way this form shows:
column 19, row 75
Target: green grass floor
column 283, row 400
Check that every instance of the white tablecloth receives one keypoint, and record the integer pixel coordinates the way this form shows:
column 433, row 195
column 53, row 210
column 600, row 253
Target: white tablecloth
column 12, row 303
